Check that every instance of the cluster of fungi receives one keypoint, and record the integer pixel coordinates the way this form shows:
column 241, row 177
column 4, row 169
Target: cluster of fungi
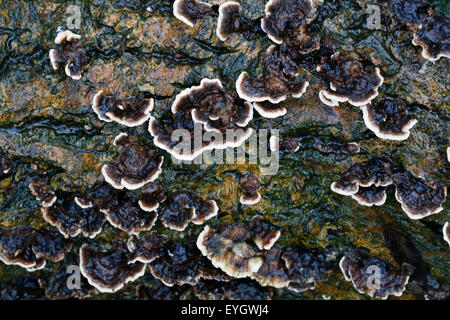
column 227, row 252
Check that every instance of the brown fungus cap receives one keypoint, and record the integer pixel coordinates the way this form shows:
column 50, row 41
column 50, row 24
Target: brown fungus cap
column 418, row 198
column 264, row 233
column 182, row 207
column 433, row 35
column 130, row 112
column 183, row 147
column 211, row 106
column 152, row 195
column 446, row 232
column 181, row 264
column 189, row 11
column 273, row 85
column 388, row 119
column 229, row 248
column 231, row 21
column 206, row 111
column 304, row 268
column 250, row 183
column 350, row 80
column 109, row 271
column 43, row 193
column 369, row 196
column 359, row 268
column 30, row 248
column 285, row 21
column 138, row 164
column 72, row 220
column 128, row 216
column 377, row 171
column 100, row 197
column 147, row 248
column 272, row 271
column 71, row 56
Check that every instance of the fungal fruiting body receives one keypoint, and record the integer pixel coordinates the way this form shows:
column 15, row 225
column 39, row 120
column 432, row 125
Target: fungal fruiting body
column 138, row 164
column 377, row 172
column 271, row 87
column 231, row 21
column 204, row 117
column 230, row 248
column 109, row 271
column 433, row 35
column 43, row 193
column 182, row 207
column 130, row 112
column 30, row 248
column 388, row 119
column 72, row 220
column 189, row 11
column 72, row 56
column 359, row 268
column 446, row 232
column 250, row 183
column 418, row 198
column 350, row 80
column 285, row 21
column 366, row 182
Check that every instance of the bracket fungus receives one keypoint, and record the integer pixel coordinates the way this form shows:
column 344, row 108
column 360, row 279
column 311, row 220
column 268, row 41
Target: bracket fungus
column 250, row 183
column 350, row 80
column 369, row 196
column 376, row 171
column 231, row 21
column 446, row 232
column 189, row 11
column 30, row 248
column 182, row 207
column 181, row 263
column 418, row 198
column 147, row 248
column 109, row 271
column 285, row 21
column 130, row 112
column 72, row 220
column 207, row 107
column 43, row 193
column 100, row 197
column 388, row 119
column 128, row 216
column 229, row 249
column 433, row 35
column 151, row 197
column 137, row 166
column 373, row 276
column 71, row 56
column 273, row 85
column 264, row 234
